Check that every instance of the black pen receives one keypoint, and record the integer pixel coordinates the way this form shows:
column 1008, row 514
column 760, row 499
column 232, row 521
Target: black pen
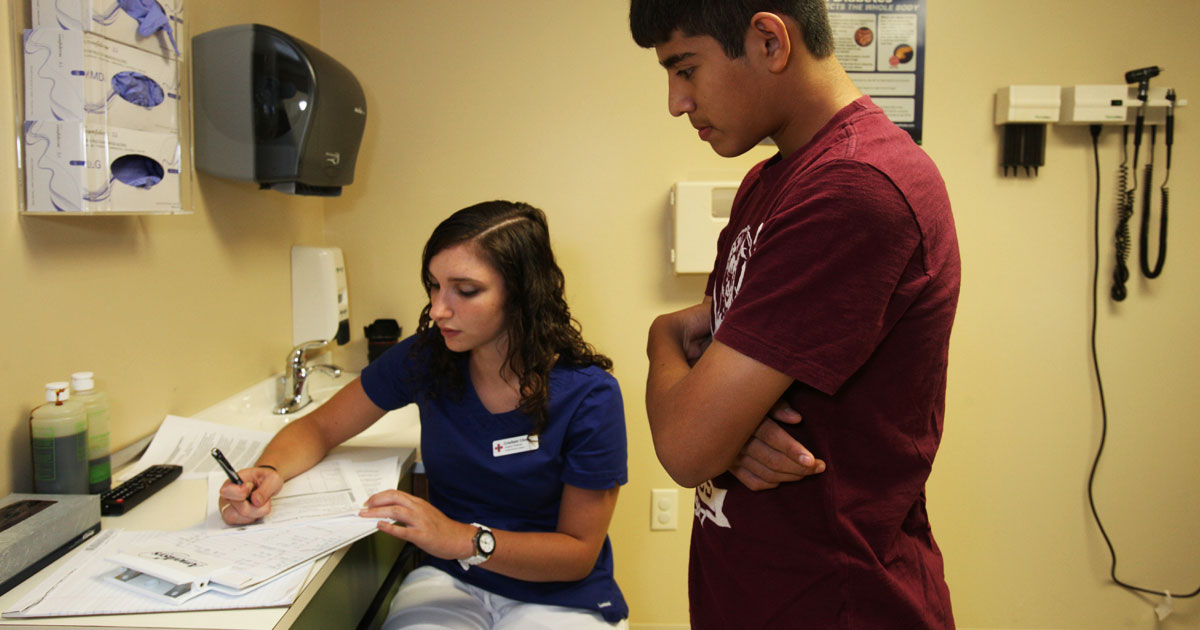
column 224, row 463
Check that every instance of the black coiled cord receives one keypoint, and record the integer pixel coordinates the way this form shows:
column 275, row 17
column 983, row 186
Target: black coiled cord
column 1095, row 129
column 1124, row 213
column 1143, row 247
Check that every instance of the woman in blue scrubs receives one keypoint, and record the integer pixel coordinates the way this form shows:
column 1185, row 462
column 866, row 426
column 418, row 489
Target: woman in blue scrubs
column 522, row 437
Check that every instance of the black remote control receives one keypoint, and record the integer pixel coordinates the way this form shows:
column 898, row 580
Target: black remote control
column 126, row 496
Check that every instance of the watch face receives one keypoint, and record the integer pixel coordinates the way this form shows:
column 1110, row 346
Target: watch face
column 487, row 542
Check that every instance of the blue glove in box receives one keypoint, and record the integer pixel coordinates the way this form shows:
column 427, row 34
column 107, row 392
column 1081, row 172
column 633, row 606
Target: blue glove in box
column 70, row 167
column 72, row 75
column 153, row 25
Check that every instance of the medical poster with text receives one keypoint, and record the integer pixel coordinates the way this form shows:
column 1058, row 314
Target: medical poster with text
column 881, row 44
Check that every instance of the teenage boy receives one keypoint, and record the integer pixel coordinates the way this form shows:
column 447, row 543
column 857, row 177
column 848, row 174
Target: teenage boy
column 834, row 290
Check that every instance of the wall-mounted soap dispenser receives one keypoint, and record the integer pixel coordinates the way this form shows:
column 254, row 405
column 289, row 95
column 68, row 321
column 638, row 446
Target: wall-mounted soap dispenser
column 320, row 300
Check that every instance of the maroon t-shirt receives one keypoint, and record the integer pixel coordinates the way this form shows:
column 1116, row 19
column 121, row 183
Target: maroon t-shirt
column 840, row 268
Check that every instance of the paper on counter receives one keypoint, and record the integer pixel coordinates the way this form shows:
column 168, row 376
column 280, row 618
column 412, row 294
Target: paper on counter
column 334, row 487
column 189, row 443
column 377, row 476
column 260, row 554
column 78, row 588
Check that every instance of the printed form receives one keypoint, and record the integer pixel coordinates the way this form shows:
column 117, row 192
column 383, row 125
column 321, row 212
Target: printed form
column 189, row 443
column 334, row 487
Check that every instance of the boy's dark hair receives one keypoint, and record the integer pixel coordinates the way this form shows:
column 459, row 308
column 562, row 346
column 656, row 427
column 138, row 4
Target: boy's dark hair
column 514, row 239
column 654, row 21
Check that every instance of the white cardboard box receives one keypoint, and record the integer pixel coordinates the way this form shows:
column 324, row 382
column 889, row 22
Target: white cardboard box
column 70, row 167
column 73, row 75
column 108, row 19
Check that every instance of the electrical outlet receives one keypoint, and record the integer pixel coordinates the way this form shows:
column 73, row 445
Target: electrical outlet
column 664, row 509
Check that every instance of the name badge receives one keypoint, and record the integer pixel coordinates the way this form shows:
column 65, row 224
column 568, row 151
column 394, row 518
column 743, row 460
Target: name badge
column 514, row 445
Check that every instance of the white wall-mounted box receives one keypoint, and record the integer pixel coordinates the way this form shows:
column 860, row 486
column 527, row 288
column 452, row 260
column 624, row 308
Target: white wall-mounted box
column 699, row 211
column 1028, row 104
column 70, row 167
column 1093, row 104
column 108, row 19
column 73, row 75
column 320, row 298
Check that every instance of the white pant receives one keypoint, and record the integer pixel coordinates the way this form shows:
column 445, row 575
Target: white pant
column 430, row 599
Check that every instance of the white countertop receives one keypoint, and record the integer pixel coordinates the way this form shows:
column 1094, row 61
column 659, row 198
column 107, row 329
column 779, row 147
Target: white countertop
column 182, row 504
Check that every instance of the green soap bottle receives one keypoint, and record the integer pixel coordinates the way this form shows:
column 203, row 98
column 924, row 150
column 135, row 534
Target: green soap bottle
column 96, row 404
column 58, row 432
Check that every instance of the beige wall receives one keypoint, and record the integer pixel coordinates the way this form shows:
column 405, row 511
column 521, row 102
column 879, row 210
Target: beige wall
column 551, row 102
column 173, row 313
column 1023, row 418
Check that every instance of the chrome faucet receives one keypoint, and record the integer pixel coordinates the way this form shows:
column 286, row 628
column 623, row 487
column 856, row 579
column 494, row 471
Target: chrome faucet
column 294, row 382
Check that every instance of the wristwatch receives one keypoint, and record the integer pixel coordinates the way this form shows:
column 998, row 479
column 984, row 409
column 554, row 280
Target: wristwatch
column 485, row 544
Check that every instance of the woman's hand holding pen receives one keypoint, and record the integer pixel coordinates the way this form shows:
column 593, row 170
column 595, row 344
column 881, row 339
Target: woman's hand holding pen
column 420, row 523
column 250, row 501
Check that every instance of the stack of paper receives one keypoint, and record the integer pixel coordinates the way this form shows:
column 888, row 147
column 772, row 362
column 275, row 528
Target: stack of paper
column 83, row 586
column 215, row 566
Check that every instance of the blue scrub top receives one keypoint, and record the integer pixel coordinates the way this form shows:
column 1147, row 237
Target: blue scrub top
column 475, row 478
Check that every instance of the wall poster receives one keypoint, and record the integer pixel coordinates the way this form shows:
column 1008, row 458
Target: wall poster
column 881, row 44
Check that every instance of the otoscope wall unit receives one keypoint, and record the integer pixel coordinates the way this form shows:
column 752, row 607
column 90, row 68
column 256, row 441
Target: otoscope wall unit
column 1115, row 105
column 1025, row 110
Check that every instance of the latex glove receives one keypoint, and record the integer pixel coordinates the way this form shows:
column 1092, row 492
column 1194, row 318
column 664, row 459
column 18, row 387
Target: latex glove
column 151, row 18
column 138, row 171
column 137, row 88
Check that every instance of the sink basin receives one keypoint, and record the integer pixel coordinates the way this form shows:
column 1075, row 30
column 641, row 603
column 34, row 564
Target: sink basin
column 253, row 408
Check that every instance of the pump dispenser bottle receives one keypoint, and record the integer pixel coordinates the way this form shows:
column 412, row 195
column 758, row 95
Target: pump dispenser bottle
column 58, row 432
column 96, row 404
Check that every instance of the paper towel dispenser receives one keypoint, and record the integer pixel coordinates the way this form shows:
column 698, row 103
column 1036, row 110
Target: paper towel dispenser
column 272, row 109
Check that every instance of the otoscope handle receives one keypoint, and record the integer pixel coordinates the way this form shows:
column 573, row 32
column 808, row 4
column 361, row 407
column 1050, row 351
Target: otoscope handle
column 1170, row 116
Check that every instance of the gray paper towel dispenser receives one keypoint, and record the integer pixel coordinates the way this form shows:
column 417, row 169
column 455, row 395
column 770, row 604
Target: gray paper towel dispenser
column 272, row 109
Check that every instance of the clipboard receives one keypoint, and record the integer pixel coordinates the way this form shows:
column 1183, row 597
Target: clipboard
column 168, row 575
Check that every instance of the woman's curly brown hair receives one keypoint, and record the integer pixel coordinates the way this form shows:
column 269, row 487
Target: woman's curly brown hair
column 514, row 239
